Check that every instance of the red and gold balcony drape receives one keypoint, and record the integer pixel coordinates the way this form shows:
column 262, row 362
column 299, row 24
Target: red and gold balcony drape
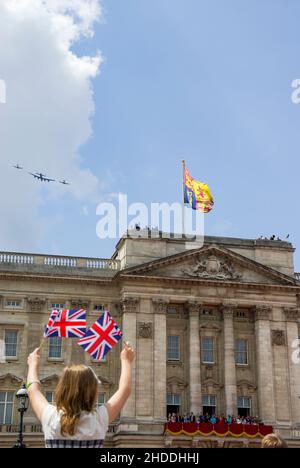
column 219, row 429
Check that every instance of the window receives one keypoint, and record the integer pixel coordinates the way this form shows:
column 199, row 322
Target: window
column 11, row 340
column 172, row 310
column 13, row 304
column 101, row 399
column 50, row 397
column 173, row 399
column 207, row 312
column 173, row 403
column 209, row 404
column 99, row 307
column 173, row 348
column 208, row 350
column 55, row 347
column 244, row 406
column 241, row 314
column 6, row 407
column 241, row 352
column 57, row 306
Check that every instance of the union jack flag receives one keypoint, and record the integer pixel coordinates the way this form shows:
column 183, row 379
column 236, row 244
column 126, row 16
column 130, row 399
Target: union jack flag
column 66, row 323
column 103, row 335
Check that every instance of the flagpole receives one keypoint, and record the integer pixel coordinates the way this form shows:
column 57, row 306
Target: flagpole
column 183, row 197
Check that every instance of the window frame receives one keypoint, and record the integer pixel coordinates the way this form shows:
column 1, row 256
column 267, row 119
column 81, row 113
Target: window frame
column 213, row 349
column 14, row 356
column 5, row 402
column 174, row 403
column 13, row 307
column 55, row 358
column 172, row 359
column 236, row 352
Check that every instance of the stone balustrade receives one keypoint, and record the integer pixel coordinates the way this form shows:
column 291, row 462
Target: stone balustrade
column 51, row 261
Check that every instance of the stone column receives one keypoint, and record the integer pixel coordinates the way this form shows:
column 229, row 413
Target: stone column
column 264, row 359
column 292, row 317
column 195, row 359
column 129, row 326
column 160, row 359
column 229, row 360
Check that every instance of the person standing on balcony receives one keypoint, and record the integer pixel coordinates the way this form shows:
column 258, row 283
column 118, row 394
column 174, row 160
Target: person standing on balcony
column 74, row 421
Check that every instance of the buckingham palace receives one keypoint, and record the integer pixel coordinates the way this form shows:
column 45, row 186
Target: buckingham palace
column 214, row 324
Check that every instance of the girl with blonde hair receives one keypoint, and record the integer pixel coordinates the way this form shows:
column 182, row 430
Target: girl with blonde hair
column 75, row 421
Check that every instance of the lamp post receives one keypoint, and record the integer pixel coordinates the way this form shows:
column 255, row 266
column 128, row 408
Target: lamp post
column 23, row 402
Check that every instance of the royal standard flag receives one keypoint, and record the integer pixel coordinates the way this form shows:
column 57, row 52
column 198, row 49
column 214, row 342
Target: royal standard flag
column 197, row 194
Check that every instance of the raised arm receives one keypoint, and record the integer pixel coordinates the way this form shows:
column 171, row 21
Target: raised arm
column 118, row 400
column 37, row 399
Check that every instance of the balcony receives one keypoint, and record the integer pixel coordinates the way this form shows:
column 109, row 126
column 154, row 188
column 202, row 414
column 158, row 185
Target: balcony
column 297, row 276
column 58, row 265
column 33, row 435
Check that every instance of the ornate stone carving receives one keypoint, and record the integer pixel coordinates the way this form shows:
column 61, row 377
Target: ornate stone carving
column 36, row 303
column 80, row 303
column 262, row 312
column 176, row 385
column 245, row 387
column 209, row 385
column 278, row 337
column 160, row 306
column 292, row 314
column 212, row 326
column 194, row 307
column 211, row 267
column 145, row 329
column 208, row 372
column 130, row 304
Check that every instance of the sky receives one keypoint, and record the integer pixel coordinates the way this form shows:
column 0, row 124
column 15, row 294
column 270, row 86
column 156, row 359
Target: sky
column 112, row 95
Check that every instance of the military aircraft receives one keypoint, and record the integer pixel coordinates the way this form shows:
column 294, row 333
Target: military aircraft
column 41, row 177
column 17, row 166
column 64, row 182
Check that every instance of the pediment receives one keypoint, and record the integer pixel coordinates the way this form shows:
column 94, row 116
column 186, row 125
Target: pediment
column 212, row 384
column 104, row 381
column 50, row 380
column 211, row 263
column 245, row 385
column 176, row 384
column 10, row 379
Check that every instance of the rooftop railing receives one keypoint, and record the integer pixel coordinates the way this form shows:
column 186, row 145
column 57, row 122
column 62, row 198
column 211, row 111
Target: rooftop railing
column 59, row 261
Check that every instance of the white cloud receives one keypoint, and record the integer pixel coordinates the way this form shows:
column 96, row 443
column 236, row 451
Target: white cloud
column 47, row 116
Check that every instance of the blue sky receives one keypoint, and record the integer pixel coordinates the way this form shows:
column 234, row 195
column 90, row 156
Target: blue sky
column 208, row 81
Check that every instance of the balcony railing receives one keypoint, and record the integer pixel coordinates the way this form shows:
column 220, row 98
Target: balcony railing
column 52, row 261
column 36, row 428
column 27, row 428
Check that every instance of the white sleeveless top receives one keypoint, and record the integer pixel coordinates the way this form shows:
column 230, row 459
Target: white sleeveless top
column 90, row 429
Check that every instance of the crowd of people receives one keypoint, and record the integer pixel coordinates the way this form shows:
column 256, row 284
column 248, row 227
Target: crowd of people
column 213, row 419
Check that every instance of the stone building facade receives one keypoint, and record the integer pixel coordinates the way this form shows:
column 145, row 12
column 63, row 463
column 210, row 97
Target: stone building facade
column 214, row 326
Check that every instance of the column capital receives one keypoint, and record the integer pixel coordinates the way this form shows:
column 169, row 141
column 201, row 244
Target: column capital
column 130, row 304
column 228, row 309
column 160, row 305
column 194, row 307
column 292, row 314
column 262, row 312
